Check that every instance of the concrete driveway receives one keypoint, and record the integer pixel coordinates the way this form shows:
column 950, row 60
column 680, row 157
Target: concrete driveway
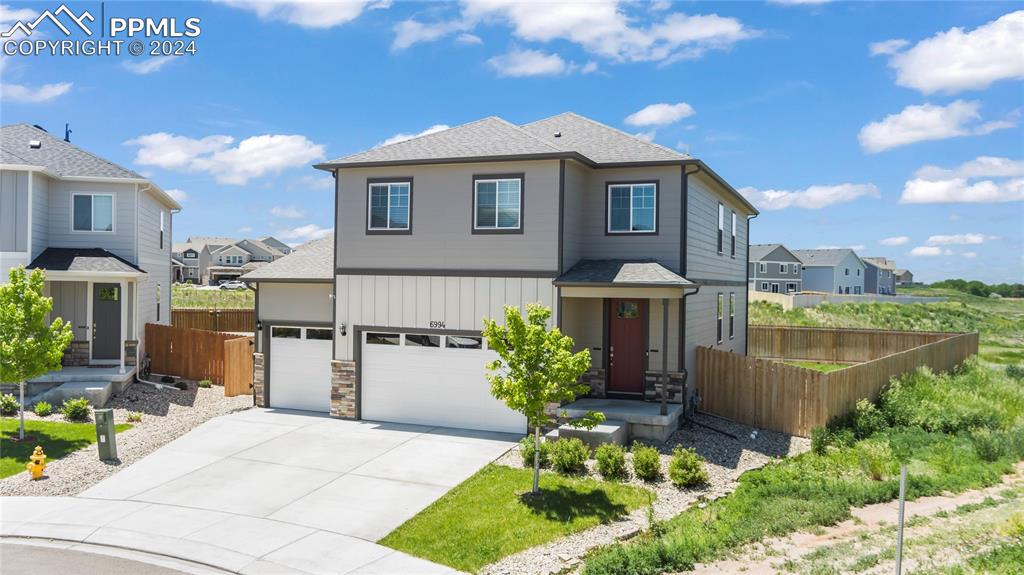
column 270, row 491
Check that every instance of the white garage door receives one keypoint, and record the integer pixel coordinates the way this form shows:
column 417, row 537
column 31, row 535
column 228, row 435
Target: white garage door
column 300, row 367
column 431, row 380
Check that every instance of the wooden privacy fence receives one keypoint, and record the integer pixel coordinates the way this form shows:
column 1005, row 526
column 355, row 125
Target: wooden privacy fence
column 214, row 319
column 831, row 345
column 769, row 394
column 200, row 354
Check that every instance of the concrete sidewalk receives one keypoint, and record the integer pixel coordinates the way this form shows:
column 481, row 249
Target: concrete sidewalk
column 266, row 491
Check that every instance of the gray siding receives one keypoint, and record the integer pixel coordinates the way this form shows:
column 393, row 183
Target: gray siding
column 40, row 214
column 156, row 262
column 441, row 214
column 121, row 241
column 871, row 273
column 295, row 301
column 70, row 304
column 14, row 220
column 819, row 279
column 703, row 260
column 702, row 326
column 459, row 303
column 573, row 217
column 772, row 273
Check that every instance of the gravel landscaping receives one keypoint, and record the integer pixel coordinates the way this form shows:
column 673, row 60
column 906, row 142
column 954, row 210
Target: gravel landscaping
column 727, row 459
column 166, row 415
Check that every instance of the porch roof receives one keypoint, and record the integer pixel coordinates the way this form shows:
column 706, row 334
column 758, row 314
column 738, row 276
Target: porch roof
column 621, row 273
column 85, row 261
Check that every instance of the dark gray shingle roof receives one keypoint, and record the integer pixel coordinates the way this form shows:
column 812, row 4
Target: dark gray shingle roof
column 56, row 155
column 758, row 251
column 600, row 143
column 82, row 260
column 621, row 273
column 312, row 261
column 824, row 258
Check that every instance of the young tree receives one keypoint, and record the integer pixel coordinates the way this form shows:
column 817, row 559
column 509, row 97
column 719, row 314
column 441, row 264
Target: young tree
column 535, row 367
column 29, row 347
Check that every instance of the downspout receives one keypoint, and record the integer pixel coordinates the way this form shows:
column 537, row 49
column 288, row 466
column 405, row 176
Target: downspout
column 746, row 298
column 690, row 406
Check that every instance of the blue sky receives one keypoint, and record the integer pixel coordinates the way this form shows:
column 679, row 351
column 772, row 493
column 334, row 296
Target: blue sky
column 892, row 127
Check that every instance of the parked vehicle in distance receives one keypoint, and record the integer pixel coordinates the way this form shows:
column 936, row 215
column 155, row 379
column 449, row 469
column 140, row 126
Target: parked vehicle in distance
column 232, row 285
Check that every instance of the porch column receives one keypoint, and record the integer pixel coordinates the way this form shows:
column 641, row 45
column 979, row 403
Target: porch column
column 123, row 299
column 664, row 355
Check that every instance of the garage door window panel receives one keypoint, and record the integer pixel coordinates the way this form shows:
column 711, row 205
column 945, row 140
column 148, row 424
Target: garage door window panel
column 463, row 342
column 422, row 340
column 319, row 333
column 286, row 332
column 377, row 338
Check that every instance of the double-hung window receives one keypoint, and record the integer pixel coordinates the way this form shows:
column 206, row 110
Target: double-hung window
column 632, row 208
column 498, row 204
column 732, row 315
column 782, row 268
column 732, row 250
column 721, row 228
column 721, row 307
column 92, row 212
column 389, row 207
column 762, row 267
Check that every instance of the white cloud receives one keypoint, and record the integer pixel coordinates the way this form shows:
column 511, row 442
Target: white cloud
column 601, row 27
column 647, row 136
column 244, row 230
column 304, row 233
column 403, row 137
column 969, row 255
column 29, row 95
column 959, row 239
column 518, row 63
column 312, row 182
column 930, row 251
column 660, row 114
column 927, row 122
column 887, row 47
column 589, row 68
column 290, row 212
column 811, row 198
column 253, row 157
column 307, row 13
column 469, row 39
column 178, row 195
column 955, row 60
column 10, row 15
column 147, row 66
column 855, row 247
column 963, row 184
column 894, row 241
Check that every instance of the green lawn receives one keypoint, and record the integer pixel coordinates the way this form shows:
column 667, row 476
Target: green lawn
column 58, row 439
column 484, row 519
column 823, row 367
column 186, row 296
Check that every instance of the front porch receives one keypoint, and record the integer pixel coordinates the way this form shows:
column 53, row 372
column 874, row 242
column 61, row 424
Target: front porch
column 95, row 383
column 643, row 420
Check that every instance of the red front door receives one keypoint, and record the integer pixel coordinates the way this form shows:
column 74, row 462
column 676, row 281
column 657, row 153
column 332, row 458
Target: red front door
column 627, row 318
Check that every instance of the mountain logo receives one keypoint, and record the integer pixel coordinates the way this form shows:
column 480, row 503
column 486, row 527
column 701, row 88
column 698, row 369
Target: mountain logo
column 27, row 28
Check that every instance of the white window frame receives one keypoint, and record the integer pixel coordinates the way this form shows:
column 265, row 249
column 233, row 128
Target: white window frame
column 762, row 268
column 765, row 286
column 720, row 240
column 92, row 215
column 369, row 207
column 732, row 247
column 476, row 197
column 721, row 316
column 161, row 229
column 608, row 212
column 790, row 284
column 732, row 315
column 783, row 269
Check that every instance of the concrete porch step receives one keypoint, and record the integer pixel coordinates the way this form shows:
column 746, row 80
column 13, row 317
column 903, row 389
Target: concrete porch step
column 644, row 418
column 96, row 392
column 609, row 431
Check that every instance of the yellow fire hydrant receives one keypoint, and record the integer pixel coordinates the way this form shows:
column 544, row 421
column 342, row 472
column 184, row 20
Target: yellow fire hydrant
column 37, row 463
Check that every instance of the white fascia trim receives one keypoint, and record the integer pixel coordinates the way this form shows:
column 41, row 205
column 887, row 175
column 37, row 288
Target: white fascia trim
column 29, row 168
column 69, row 275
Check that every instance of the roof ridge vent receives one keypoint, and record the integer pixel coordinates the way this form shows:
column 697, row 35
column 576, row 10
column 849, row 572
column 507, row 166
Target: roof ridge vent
column 35, row 144
column 558, row 134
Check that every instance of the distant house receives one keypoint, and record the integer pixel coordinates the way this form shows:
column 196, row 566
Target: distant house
column 210, row 259
column 773, row 268
column 904, row 278
column 879, row 276
column 832, row 271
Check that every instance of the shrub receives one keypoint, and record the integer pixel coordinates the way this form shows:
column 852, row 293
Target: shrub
column 204, row 383
column 973, row 397
column 526, row 451
column 8, row 405
column 876, row 459
column 988, row 445
column 867, row 419
column 611, row 461
column 831, row 435
column 1015, row 371
column 134, row 417
column 687, row 468
column 42, row 409
column 569, row 455
column 76, row 409
column 646, row 462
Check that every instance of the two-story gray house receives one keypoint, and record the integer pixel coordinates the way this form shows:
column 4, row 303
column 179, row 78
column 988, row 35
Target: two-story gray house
column 773, row 268
column 832, row 271
column 101, row 232
column 640, row 252
column 211, row 259
column 879, row 276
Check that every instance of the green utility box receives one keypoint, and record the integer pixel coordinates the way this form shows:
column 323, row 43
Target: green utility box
column 106, row 439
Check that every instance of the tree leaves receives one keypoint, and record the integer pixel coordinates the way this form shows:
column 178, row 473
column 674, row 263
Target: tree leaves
column 30, row 346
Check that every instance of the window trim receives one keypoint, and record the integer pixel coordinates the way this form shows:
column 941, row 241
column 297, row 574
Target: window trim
column 608, row 207
column 732, row 315
column 388, row 231
column 473, row 229
column 765, row 286
column 732, row 249
column 762, row 267
column 92, row 213
column 721, row 314
column 161, row 229
column 721, row 228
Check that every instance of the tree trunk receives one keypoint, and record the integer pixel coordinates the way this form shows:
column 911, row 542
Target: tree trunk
column 21, row 409
column 536, row 459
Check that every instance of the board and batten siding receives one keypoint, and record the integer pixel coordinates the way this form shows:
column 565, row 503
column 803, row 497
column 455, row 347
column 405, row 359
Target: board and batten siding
column 121, row 241
column 456, row 303
column 70, row 304
column 40, row 214
column 442, row 220
column 14, row 206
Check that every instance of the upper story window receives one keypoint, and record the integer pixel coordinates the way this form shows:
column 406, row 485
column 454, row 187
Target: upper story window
column 161, row 229
column 732, row 250
column 762, row 267
column 389, row 206
column 847, row 271
column 191, row 254
column 498, row 204
column 721, row 226
column 92, row 212
column 782, row 268
column 632, row 208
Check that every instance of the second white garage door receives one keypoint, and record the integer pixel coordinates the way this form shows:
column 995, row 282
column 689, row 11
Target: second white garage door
column 430, row 379
column 300, row 368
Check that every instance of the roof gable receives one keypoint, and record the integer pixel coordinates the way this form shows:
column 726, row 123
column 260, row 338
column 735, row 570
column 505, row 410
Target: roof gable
column 825, row 257
column 600, row 143
column 312, row 261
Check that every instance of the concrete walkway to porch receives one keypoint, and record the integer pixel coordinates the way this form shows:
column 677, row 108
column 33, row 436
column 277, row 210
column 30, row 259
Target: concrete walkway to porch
column 95, row 383
column 644, row 418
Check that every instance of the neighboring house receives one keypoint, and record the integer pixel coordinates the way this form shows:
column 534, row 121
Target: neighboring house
column 186, row 262
column 639, row 250
column 101, row 232
column 832, row 271
column 879, row 276
column 904, row 277
column 218, row 258
column 773, row 268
